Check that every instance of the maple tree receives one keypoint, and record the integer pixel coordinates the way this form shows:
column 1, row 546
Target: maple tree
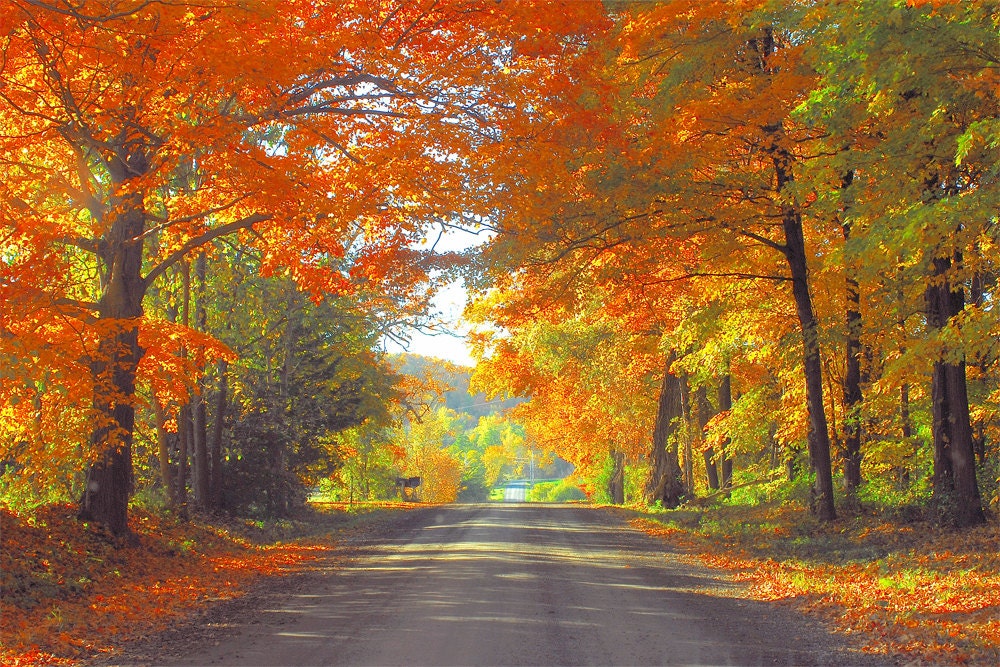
column 726, row 142
column 136, row 133
column 916, row 209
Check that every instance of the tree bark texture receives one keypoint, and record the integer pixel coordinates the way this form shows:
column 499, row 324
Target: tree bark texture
column 726, row 404
column 852, row 381
column 666, row 482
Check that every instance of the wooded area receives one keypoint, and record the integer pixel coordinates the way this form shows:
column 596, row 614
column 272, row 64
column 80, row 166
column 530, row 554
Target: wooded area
column 771, row 243
column 738, row 252
column 207, row 237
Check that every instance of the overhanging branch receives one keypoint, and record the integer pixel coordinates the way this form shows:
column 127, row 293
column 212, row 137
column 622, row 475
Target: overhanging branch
column 198, row 241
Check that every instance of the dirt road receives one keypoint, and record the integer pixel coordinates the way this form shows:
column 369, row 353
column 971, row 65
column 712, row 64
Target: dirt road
column 518, row 584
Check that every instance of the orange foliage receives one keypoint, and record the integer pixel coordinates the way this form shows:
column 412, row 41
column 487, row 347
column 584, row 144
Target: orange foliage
column 135, row 134
column 934, row 597
column 69, row 591
column 441, row 474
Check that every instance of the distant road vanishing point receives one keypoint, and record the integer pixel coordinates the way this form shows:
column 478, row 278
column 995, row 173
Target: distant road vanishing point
column 515, row 492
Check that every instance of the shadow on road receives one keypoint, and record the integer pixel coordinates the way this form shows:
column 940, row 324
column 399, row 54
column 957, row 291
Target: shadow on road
column 524, row 584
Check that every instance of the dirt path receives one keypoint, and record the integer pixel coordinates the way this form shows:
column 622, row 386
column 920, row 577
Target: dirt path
column 510, row 585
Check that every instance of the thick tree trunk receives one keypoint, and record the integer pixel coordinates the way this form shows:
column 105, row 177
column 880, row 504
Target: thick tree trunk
column 665, row 482
column 955, row 485
column 616, row 483
column 726, row 404
column 109, row 480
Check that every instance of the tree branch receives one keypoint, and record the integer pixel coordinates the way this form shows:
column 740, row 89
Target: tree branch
column 199, row 241
column 783, row 249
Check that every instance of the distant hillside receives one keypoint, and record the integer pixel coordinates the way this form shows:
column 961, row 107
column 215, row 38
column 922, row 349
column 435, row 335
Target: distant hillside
column 458, row 399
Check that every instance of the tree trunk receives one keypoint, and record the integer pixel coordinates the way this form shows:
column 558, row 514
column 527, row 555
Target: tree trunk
column 686, row 436
column 906, row 430
column 202, row 473
column 794, row 250
column 955, row 485
column 665, row 482
column 726, row 404
column 705, row 413
column 185, row 432
column 852, row 380
column 183, row 450
column 221, row 403
column 163, row 452
column 109, row 480
column 616, row 483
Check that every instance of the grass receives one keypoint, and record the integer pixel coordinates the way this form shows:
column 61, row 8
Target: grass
column 69, row 590
column 907, row 587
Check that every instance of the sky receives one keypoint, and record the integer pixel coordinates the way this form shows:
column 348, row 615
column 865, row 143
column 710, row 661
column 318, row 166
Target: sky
column 449, row 303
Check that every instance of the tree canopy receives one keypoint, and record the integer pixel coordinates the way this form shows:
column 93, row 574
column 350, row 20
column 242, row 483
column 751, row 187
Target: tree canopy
column 726, row 239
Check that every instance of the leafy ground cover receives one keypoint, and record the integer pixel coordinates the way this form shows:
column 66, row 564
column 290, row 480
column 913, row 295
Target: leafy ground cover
column 908, row 587
column 69, row 590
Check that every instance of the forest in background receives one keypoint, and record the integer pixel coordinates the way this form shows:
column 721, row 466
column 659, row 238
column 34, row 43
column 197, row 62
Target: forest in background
column 458, row 443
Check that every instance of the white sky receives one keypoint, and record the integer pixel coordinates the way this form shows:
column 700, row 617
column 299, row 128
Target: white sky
column 449, row 303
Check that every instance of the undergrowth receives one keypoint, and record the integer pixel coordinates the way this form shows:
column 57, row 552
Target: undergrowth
column 70, row 590
column 904, row 583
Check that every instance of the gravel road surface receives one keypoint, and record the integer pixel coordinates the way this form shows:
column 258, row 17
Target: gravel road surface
column 515, row 584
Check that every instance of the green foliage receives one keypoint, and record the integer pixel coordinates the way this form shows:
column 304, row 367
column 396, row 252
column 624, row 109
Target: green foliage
column 635, row 481
column 369, row 464
column 556, row 491
column 751, row 493
column 600, row 494
column 293, row 393
column 21, row 494
column 474, row 484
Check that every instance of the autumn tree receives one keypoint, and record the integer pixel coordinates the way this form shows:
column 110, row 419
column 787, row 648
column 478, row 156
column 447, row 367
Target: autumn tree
column 135, row 133
column 585, row 378
column 915, row 105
